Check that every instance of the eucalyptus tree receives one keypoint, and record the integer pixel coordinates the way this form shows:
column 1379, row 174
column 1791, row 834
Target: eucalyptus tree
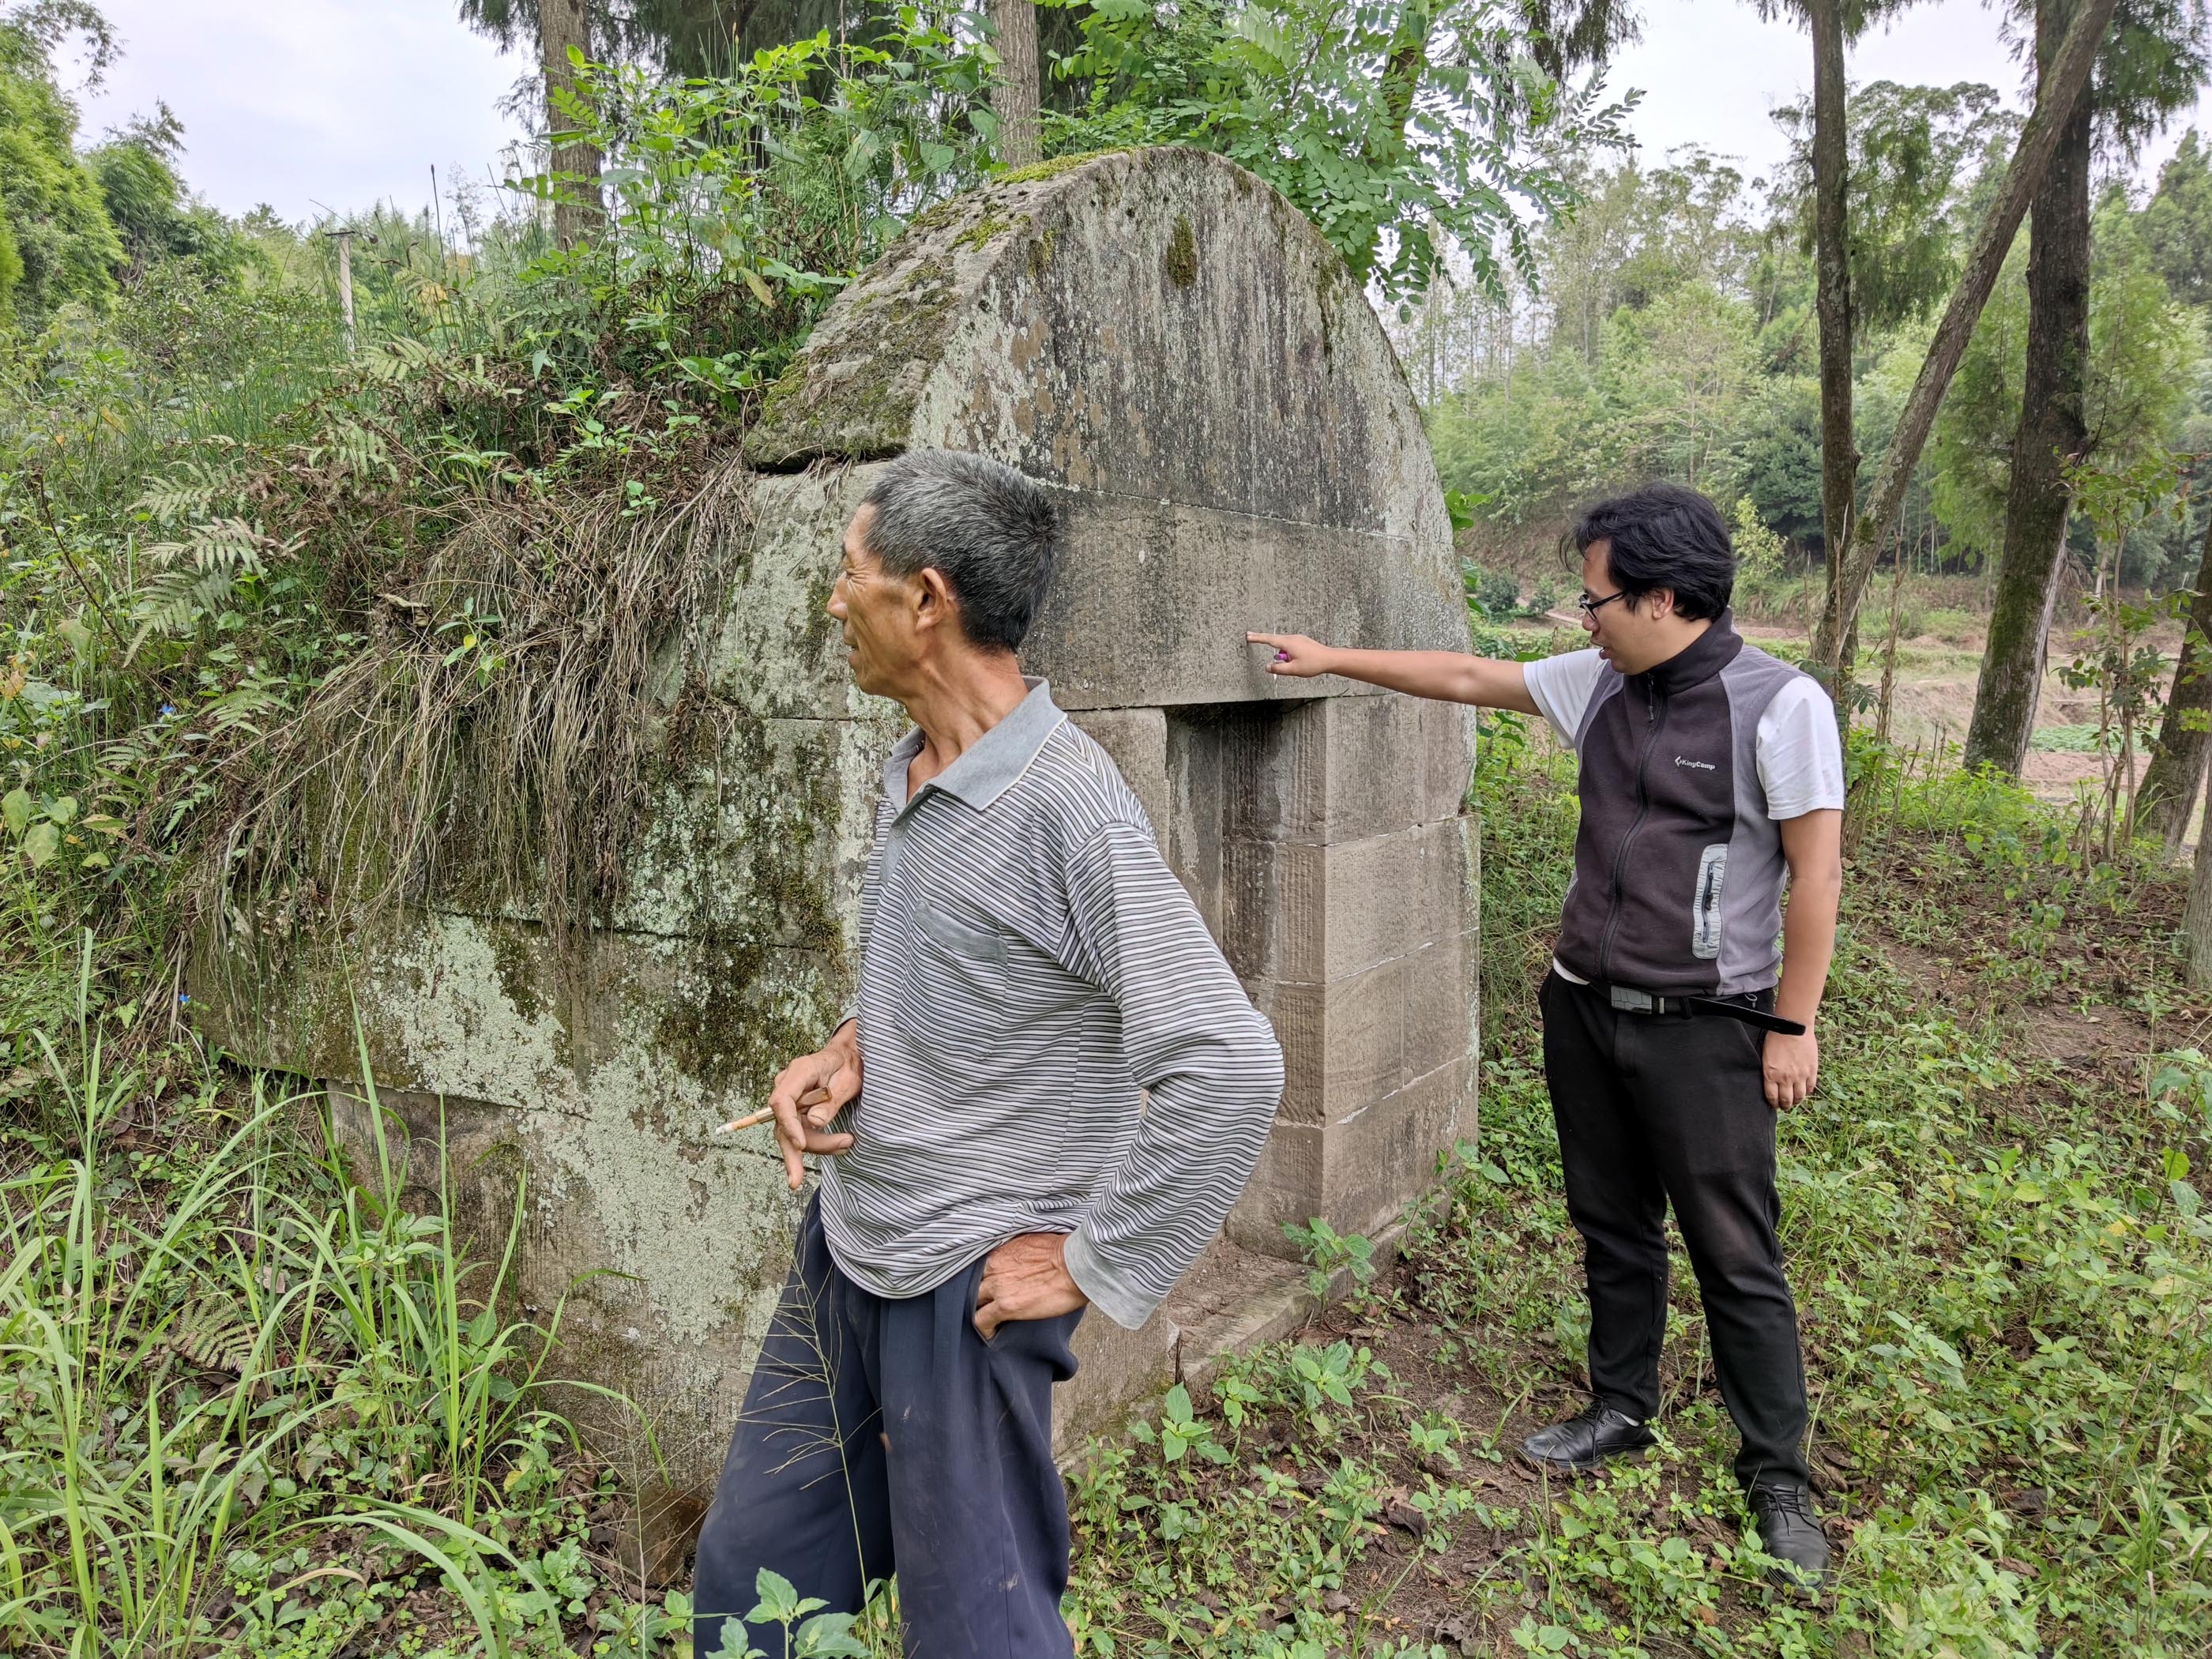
column 1020, row 91
column 2059, row 86
column 557, row 28
column 2153, row 61
column 2176, row 772
column 1832, row 24
column 2176, row 225
column 1912, row 156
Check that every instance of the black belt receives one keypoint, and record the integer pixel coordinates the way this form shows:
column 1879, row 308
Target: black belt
column 1633, row 1001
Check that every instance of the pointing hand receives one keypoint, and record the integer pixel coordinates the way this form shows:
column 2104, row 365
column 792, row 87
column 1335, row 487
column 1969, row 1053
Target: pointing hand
column 1294, row 654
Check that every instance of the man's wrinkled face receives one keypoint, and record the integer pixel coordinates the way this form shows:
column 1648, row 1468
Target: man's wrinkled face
column 1627, row 632
column 876, row 611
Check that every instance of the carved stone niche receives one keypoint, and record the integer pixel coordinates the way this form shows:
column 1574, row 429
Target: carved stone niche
column 1168, row 343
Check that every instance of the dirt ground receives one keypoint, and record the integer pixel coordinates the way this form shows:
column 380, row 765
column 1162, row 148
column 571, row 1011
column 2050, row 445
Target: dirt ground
column 2086, row 1030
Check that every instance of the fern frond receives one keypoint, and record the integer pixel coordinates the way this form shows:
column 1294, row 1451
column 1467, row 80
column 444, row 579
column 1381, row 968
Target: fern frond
column 231, row 546
column 246, row 705
column 190, row 489
column 213, row 1334
column 350, row 447
column 173, row 604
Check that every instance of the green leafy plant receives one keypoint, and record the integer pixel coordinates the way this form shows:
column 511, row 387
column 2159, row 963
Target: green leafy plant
column 1328, row 1252
column 1409, row 136
column 808, row 1632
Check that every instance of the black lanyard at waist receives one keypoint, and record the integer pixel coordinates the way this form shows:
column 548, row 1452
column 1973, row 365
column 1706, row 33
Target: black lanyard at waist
column 1631, row 1001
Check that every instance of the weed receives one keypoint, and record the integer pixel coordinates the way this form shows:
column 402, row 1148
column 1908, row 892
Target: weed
column 2003, row 1265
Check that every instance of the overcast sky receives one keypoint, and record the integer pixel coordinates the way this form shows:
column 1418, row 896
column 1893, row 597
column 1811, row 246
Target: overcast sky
column 341, row 103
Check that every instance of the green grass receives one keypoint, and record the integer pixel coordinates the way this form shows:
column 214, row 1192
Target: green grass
column 2004, row 1272
column 248, row 1406
column 2064, row 740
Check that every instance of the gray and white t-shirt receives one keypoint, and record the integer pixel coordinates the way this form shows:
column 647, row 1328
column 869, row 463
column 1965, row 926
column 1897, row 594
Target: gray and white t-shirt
column 1800, row 763
column 1799, row 759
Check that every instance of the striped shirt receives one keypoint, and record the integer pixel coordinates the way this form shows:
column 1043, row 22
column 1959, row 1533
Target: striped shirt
column 1030, row 972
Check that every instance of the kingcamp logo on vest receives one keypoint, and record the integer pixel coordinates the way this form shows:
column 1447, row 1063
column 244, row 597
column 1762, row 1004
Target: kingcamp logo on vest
column 1700, row 766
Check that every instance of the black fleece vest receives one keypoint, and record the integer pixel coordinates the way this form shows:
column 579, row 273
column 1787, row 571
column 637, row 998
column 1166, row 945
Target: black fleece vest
column 1678, row 869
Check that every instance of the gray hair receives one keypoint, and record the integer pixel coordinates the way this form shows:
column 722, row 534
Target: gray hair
column 992, row 533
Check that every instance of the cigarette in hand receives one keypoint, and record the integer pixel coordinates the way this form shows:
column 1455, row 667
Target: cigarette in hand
column 747, row 1121
column 812, row 1098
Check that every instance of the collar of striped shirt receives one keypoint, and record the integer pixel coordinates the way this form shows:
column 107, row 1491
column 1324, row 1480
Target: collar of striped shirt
column 987, row 765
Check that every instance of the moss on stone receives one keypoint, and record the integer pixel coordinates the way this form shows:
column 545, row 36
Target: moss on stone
column 865, row 412
column 778, row 397
column 982, row 231
column 1182, row 253
column 1041, row 253
column 725, row 1020
column 517, row 974
column 930, row 219
column 1057, row 165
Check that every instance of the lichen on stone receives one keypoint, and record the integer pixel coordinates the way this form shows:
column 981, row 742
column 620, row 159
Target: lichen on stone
column 1182, row 253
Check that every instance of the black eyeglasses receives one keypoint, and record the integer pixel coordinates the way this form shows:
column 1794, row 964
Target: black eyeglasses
column 1590, row 607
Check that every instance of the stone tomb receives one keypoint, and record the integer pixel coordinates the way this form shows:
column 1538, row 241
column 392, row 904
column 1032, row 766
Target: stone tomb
column 1170, row 344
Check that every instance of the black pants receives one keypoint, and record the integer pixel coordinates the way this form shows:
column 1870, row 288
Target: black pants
column 883, row 1435
column 1658, row 1107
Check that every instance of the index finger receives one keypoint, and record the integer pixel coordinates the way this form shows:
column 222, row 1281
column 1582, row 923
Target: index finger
column 787, row 1099
column 790, row 1133
column 1265, row 638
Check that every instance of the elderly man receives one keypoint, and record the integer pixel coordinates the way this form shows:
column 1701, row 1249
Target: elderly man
column 1029, row 970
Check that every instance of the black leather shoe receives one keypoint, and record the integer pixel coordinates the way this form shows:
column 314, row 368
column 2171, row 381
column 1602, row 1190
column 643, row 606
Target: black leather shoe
column 1587, row 1440
column 1790, row 1533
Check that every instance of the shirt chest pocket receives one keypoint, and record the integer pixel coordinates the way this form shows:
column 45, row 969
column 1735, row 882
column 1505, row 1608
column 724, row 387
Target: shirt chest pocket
column 957, row 990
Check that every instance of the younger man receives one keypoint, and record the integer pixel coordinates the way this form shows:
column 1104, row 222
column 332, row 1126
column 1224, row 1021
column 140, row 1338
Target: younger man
column 1711, row 772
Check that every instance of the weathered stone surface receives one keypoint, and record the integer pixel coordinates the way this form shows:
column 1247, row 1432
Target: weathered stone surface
column 1376, row 1156
column 1297, row 911
column 1288, row 1187
column 1171, row 346
column 1137, row 741
column 1113, row 1367
column 1041, row 321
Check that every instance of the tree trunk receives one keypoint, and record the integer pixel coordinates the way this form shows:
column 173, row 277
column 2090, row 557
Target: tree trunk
column 2038, row 139
column 2051, row 436
column 1402, row 71
column 2184, row 740
column 2197, row 919
column 577, row 209
column 1839, row 455
column 1015, row 99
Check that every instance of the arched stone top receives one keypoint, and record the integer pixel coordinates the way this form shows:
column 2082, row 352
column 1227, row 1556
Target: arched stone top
column 1167, row 338
column 1165, row 341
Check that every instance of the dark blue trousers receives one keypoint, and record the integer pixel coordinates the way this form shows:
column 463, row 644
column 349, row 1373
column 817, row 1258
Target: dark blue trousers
column 883, row 1435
